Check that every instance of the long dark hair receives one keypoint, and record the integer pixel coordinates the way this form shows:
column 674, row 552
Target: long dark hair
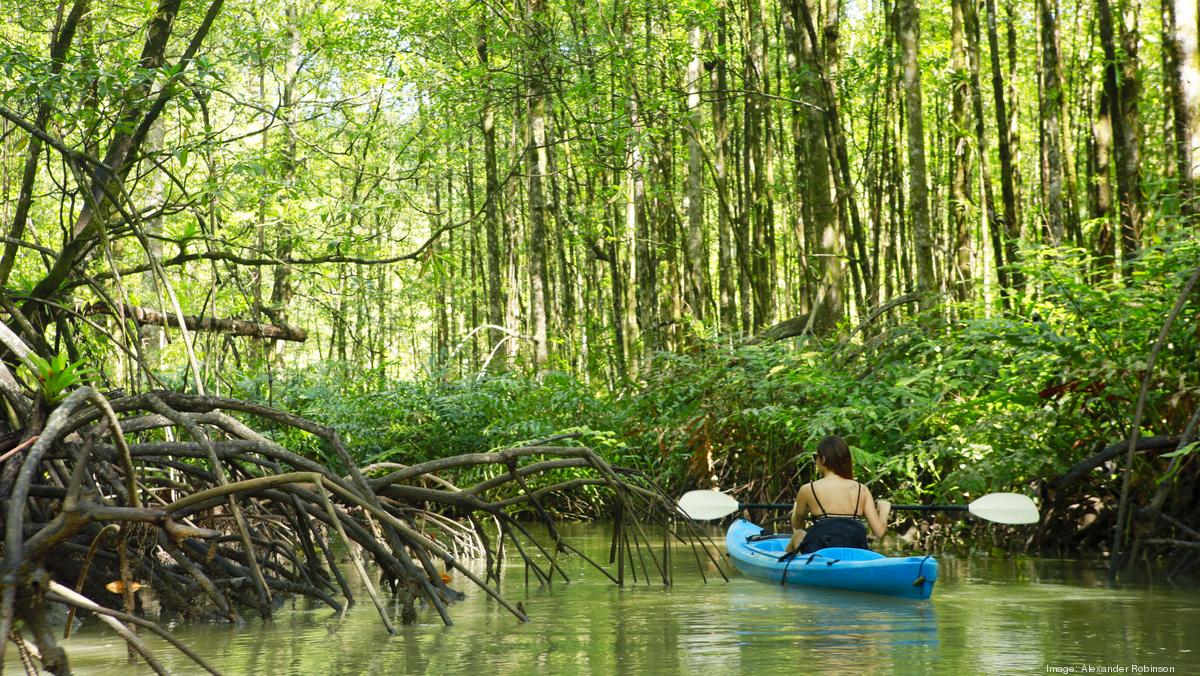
column 835, row 454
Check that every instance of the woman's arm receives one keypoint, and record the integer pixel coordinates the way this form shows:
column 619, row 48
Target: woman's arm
column 876, row 518
column 798, row 514
column 800, row 510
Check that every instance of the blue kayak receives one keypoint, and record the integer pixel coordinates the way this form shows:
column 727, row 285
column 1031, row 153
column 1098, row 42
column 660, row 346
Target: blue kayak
column 846, row 568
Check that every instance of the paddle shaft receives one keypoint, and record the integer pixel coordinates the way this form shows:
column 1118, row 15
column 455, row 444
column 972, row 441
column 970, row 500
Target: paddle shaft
column 1007, row 508
column 911, row 508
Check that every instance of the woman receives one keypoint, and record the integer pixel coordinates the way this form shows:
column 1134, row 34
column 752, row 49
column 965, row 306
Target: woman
column 837, row 502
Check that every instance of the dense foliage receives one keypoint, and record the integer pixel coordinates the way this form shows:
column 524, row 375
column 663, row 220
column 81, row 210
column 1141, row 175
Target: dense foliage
column 935, row 409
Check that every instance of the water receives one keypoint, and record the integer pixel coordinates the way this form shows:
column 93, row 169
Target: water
column 986, row 616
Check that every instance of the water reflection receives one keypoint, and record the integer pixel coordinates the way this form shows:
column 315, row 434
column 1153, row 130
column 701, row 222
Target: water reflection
column 835, row 630
column 987, row 615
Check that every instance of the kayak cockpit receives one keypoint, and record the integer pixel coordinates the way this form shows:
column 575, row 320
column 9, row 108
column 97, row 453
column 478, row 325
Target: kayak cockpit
column 848, row 554
column 776, row 545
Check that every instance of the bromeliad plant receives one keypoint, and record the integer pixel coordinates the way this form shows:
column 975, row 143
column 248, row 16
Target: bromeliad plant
column 55, row 376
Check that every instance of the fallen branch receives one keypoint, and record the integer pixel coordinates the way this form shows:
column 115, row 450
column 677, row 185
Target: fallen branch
column 788, row 328
column 236, row 327
column 1081, row 468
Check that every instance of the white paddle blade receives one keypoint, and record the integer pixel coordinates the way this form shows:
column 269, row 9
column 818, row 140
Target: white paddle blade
column 1011, row 508
column 706, row 505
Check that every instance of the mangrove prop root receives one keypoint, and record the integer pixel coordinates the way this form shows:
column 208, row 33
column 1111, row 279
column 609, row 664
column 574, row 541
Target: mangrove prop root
column 224, row 518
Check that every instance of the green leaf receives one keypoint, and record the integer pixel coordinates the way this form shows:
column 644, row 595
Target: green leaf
column 1186, row 450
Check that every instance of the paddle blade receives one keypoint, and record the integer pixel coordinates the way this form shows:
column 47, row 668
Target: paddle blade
column 707, row 505
column 1005, row 508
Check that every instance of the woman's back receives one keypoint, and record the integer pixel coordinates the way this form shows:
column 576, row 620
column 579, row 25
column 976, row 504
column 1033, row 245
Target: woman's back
column 836, row 496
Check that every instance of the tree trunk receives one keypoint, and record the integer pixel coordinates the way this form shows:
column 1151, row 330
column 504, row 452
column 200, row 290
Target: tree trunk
column 560, row 313
column 918, row 191
column 854, row 237
column 826, row 295
column 1100, row 190
column 513, row 235
column 1006, row 122
column 257, row 306
column 281, row 290
column 696, row 258
column 609, row 252
column 1129, row 156
column 727, row 289
column 491, row 218
column 537, row 167
column 1186, row 50
column 151, row 335
column 475, row 279
column 991, row 218
column 668, row 243
column 441, row 281
column 960, row 204
column 641, row 300
column 1051, row 110
column 1124, row 134
column 792, row 27
column 757, row 202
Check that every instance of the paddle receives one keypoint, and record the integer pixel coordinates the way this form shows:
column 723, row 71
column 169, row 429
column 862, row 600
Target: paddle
column 1011, row 508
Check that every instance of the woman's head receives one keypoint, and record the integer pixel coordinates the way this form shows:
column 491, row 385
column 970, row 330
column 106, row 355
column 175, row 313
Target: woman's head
column 833, row 453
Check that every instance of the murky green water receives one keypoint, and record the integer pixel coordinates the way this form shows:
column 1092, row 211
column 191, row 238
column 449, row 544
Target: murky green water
column 986, row 616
